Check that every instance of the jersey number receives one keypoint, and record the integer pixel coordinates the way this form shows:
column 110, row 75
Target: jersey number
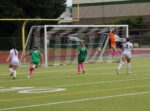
column 126, row 46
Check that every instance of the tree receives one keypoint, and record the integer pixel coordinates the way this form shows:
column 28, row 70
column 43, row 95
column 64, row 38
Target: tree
column 133, row 22
column 26, row 9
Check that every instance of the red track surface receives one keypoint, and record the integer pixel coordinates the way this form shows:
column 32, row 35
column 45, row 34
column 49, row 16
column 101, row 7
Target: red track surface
column 73, row 53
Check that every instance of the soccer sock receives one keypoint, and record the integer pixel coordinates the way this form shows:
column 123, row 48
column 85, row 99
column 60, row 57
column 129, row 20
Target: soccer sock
column 116, row 53
column 78, row 68
column 30, row 71
column 11, row 70
column 120, row 66
column 113, row 54
column 14, row 73
column 31, row 68
column 128, row 67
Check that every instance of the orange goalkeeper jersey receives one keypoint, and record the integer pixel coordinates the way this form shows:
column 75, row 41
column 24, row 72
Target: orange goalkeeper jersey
column 112, row 38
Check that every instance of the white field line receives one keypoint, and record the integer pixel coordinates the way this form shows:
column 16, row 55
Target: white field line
column 3, row 81
column 95, row 83
column 71, row 70
column 43, row 78
column 102, row 82
column 74, row 101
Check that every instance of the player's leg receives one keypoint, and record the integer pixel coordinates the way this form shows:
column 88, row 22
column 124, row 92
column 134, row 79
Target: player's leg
column 10, row 68
column 82, row 66
column 129, row 65
column 15, row 72
column 122, row 62
column 31, row 69
column 114, row 51
column 79, row 66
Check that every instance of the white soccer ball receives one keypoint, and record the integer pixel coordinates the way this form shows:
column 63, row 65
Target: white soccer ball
column 99, row 49
column 73, row 38
column 117, row 37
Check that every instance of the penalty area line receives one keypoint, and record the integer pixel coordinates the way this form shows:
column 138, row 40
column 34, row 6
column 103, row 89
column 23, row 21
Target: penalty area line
column 74, row 101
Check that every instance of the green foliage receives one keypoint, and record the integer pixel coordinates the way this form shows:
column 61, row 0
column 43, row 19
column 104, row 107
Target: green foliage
column 31, row 8
column 26, row 9
column 9, row 8
column 133, row 22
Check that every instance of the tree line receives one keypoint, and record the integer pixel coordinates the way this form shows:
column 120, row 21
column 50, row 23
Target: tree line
column 10, row 31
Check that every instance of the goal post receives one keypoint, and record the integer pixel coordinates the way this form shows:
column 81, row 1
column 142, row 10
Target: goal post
column 34, row 38
column 59, row 43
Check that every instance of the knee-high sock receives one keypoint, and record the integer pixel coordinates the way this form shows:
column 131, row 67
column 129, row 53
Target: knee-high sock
column 14, row 74
column 79, row 68
column 120, row 66
column 30, row 71
column 11, row 70
column 113, row 53
column 128, row 67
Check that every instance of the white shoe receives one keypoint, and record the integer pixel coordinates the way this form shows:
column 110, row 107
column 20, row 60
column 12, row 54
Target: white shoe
column 28, row 76
column 129, row 72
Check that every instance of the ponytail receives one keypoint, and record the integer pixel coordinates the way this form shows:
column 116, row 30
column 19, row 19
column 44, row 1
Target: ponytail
column 14, row 47
column 15, row 51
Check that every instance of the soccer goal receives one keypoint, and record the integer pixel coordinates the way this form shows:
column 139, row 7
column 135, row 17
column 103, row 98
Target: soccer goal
column 59, row 43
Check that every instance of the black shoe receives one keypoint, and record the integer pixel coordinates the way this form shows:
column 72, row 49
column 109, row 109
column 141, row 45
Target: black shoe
column 83, row 71
column 11, row 74
column 14, row 78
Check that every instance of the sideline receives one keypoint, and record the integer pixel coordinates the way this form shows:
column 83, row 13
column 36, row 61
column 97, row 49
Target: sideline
column 78, row 100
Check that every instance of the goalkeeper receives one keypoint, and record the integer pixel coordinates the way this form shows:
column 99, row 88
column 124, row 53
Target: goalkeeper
column 113, row 42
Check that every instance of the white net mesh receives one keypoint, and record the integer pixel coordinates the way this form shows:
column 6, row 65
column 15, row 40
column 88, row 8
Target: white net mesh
column 60, row 42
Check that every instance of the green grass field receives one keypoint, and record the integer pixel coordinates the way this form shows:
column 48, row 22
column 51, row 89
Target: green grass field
column 59, row 88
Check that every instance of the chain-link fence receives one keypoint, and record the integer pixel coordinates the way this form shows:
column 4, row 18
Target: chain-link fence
column 140, row 37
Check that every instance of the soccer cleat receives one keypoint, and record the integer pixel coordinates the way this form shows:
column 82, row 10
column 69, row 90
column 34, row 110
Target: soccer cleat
column 129, row 72
column 11, row 74
column 28, row 76
column 83, row 71
column 118, row 72
column 14, row 78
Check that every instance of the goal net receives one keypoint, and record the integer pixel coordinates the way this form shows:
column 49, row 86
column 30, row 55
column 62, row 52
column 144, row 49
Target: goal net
column 59, row 43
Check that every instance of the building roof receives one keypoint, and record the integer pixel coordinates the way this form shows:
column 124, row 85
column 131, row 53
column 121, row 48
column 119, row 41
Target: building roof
column 95, row 1
column 105, row 2
column 65, row 17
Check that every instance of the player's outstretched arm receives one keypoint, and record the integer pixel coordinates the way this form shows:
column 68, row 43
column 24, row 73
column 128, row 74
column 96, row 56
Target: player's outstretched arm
column 8, row 58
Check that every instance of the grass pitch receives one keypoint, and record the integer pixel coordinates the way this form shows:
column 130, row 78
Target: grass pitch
column 60, row 88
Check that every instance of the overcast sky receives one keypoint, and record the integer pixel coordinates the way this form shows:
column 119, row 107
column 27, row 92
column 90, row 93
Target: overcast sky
column 69, row 2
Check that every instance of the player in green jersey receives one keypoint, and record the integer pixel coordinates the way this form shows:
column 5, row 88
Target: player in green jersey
column 36, row 59
column 82, row 52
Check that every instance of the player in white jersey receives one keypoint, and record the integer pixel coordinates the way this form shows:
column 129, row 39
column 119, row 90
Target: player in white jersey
column 126, row 55
column 14, row 61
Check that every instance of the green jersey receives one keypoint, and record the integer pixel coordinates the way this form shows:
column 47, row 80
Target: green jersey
column 82, row 54
column 35, row 56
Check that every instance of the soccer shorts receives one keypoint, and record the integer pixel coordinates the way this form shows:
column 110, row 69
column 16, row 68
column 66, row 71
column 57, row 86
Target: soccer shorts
column 113, row 45
column 126, row 54
column 14, row 62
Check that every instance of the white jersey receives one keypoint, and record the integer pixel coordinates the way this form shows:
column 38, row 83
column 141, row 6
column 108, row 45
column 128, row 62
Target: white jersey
column 14, row 57
column 128, row 46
